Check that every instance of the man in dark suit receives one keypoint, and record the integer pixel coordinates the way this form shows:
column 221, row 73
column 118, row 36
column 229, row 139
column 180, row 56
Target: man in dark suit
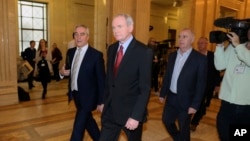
column 85, row 68
column 127, row 88
column 155, row 65
column 213, row 82
column 29, row 54
column 183, row 86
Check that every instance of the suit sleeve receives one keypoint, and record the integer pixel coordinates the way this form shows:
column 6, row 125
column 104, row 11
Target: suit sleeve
column 100, row 74
column 144, row 73
column 106, row 88
column 67, row 61
column 200, row 83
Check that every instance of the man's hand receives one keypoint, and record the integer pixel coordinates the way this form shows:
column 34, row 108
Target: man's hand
column 131, row 124
column 191, row 110
column 161, row 99
column 234, row 38
column 100, row 108
column 64, row 72
column 217, row 89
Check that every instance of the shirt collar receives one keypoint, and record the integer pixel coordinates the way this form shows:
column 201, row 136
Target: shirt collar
column 126, row 43
column 185, row 53
column 84, row 48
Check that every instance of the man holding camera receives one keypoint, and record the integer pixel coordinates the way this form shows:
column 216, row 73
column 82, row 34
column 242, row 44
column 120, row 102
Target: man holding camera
column 235, row 88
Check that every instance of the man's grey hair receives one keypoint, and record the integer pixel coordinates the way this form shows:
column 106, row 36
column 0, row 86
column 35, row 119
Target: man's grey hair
column 128, row 18
column 83, row 26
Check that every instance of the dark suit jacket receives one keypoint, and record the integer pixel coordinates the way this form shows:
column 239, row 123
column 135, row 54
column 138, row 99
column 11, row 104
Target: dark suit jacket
column 213, row 75
column 91, row 78
column 127, row 94
column 191, row 82
column 29, row 55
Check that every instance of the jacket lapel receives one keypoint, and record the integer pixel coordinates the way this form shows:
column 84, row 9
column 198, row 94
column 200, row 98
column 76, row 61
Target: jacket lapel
column 85, row 58
column 188, row 61
column 112, row 54
column 127, row 54
column 172, row 63
column 71, row 56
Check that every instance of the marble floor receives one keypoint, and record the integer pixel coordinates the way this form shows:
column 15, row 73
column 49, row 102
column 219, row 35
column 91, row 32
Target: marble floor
column 51, row 119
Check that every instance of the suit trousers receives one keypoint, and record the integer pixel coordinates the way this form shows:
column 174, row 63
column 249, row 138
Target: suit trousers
column 111, row 130
column 172, row 112
column 83, row 120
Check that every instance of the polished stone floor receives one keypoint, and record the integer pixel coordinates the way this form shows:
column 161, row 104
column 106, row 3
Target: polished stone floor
column 51, row 119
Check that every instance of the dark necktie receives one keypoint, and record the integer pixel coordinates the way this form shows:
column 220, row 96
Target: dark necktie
column 119, row 57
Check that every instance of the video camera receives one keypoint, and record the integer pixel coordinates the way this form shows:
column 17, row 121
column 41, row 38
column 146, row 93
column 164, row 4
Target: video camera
column 238, row 26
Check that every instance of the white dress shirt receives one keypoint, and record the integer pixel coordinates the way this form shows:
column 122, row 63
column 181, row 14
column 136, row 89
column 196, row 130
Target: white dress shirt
column 82, row 54
column 179, row 63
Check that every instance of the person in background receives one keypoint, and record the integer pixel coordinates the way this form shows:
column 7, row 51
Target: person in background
column 56, row 58
column 29, row 55
column 44, row 54
column 183, row 86
column 155, row 65
column 127, row 83
column 86, row 71
column 44, row 73
column 43, row 49
column 213, row 82
column 234, row 91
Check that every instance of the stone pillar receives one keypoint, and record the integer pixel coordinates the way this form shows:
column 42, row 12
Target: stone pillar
column 100, row 29
column 140, row 12
column 142, row 20
column 8, row 51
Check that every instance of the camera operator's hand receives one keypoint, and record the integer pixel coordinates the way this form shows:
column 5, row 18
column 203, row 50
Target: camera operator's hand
column 234, row 38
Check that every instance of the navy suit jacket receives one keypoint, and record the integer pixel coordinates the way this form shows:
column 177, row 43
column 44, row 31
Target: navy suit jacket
column 29, row 55
column 91, row 78
column 127, row 94
column 191, row 82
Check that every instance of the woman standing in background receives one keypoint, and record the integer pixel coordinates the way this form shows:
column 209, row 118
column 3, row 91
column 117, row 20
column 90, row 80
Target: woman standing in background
column 43, row 65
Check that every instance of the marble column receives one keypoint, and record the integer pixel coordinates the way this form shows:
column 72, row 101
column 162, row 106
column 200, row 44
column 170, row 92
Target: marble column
column 100, row 29
column 8, row 52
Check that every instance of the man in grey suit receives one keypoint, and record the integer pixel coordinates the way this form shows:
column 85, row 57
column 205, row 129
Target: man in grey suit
column 85, row 68
column 183, row 86
column 128, row 86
